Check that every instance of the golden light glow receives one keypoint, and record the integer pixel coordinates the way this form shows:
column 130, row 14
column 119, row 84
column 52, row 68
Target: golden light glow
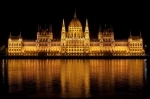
column 74, row 78
column 75, row 41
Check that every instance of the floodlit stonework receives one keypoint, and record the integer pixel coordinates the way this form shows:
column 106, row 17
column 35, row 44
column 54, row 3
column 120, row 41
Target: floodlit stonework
column 75, row 41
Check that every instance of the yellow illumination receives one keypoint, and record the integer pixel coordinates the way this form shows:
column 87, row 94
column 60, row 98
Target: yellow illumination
column 76, row 41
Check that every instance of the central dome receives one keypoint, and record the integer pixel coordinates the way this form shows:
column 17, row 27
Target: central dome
column 75, row 23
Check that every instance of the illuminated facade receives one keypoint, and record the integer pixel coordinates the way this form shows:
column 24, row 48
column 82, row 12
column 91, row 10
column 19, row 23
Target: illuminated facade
column 75, row 41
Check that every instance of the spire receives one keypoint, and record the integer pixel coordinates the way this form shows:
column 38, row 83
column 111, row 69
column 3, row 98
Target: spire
column 10, row 34
column 63, row 30
column 63, row 22
column 75, row 15
column 20, row 34
column 86, row 26
column 50, row 28
column 86, row 22
column 140, row 34
column 130, row 34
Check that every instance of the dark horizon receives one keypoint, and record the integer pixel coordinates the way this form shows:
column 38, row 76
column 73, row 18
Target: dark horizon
column 124, row 17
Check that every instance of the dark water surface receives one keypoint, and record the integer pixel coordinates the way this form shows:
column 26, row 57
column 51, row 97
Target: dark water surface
column 74, row 78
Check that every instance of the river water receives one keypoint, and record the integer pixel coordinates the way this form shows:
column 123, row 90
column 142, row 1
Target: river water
column 74, row 78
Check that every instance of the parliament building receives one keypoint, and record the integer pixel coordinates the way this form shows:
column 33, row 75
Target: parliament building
column 75, row 42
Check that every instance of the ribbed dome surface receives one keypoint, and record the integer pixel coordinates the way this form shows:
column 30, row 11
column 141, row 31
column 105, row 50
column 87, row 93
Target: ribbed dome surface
column 75, row 23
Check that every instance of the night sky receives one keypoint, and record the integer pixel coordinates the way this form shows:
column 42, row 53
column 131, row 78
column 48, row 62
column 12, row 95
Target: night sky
column 25, row 16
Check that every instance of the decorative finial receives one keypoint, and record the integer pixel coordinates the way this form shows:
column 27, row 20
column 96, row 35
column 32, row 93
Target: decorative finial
column 140, row 34
column 63, row 26
column 10, row 34
column 63, row 22
column 20, row 34
column 75, row 15
column 86, row 22
column 130, row 34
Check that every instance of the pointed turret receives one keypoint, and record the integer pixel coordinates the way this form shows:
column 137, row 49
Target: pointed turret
column 140, row 34
column 75, row 15
column 20, row 34
column 86, row 22
column 86, row 30
column 63, row 30
column 10, row 34
column 86, row 26
column 63, row 22
column 130, row 34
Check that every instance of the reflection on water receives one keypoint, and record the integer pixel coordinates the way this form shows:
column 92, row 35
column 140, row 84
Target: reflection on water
column 73, row 78
column 109, row 77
